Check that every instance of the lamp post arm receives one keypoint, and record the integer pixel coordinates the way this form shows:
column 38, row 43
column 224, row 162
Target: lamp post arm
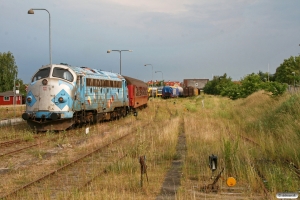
column 50, row 48
column 120, row 51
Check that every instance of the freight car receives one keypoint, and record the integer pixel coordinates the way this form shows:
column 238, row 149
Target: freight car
column 180, row 91
column 152, row 92
column 159, row 91
column 169, row 92
column 61, row 96
column 190, row 91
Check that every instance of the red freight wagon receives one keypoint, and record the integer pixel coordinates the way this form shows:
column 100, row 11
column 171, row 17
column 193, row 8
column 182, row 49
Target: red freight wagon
column 137, row 93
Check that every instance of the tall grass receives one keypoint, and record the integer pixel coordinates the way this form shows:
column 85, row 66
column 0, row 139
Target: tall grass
column 273, row 124
column 10, row 111
column 218, row 126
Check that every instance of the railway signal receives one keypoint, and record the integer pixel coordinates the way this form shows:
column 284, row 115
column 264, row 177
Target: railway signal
column 213, row 162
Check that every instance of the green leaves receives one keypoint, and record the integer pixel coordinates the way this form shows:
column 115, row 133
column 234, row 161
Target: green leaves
column 8, row 71
column 243, row 88
column 289, row 71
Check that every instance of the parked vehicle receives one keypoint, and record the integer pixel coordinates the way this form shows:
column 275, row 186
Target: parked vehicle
column 170, row 92
column 152, row 92
column 61, row 96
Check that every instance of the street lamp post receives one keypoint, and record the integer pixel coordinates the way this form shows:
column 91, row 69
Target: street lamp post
column 15, row 92
column 108, row 51
column 152, row 77
column 31, row 11
column 14, row 97
column 162, row 75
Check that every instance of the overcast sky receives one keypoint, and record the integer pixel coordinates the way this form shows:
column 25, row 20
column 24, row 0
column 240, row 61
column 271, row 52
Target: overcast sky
column 181, row 38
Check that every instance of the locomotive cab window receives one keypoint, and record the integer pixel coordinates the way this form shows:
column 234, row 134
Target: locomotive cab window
column 42, row 73
column 63, row 74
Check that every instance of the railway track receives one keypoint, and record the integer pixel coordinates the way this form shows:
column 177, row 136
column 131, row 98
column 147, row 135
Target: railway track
column 11, row 142
column 19, row 145
column 11, row 149
column 64, row 180
column 288, row 163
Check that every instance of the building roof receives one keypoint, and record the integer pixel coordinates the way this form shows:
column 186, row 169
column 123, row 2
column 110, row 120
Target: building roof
column 9, row 93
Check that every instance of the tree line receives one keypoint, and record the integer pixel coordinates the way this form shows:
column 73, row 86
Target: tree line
column 288, row 73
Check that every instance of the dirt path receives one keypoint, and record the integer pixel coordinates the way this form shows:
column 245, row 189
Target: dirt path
column 172, row 179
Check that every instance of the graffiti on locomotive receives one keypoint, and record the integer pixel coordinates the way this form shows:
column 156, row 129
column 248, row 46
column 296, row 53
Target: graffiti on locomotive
column 61, row 96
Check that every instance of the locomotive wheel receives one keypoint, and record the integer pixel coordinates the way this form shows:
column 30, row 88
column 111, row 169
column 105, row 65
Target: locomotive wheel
column 124, row 113
column 89, row 118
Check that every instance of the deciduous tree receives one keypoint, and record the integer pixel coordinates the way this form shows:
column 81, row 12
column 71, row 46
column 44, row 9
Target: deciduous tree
column 284, row 73
column 8, row 71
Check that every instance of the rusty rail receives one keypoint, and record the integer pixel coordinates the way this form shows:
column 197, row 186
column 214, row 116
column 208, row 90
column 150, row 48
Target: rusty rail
column 10, row 142
column 65, row 167
column 62, row 168
column 295, row 169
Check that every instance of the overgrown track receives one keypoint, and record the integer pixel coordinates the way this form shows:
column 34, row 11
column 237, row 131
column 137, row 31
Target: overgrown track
column 169, row 111
column 68, row 178
column 172, row 179
column 18, row 145
column 11, row 148
column 21, row 149
column 295, row 169
column 286, row 162
column 11, row 142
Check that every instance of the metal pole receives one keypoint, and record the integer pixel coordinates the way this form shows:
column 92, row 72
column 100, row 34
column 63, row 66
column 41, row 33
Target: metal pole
column 120, row 63
column 108, row 51
column 152, row 82
column 50, row 48
column 14, row 98
column 31, row 11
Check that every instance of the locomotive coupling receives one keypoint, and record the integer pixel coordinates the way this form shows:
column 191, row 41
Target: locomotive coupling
column 27, row 116
column 55, row 116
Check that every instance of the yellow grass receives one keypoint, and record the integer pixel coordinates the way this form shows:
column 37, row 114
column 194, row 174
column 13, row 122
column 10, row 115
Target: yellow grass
column 212, row 125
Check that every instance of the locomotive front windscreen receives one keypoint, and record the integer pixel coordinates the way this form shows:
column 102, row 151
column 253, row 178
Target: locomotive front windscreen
column 42, row 73
column 62, row 73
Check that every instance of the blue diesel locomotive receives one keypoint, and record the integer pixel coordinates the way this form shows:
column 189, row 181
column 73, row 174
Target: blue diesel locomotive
column 61, row 96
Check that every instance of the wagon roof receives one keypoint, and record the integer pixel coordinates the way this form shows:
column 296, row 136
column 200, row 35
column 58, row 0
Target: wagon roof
column 133, row 81
column 8, row 93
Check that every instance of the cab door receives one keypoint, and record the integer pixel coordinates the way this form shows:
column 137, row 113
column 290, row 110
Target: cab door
column 124, row 93
column 79, row 93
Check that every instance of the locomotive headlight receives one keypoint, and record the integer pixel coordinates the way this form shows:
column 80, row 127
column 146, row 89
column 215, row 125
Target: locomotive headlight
column 61, row 100
column 29, row 99
column 45, row 82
